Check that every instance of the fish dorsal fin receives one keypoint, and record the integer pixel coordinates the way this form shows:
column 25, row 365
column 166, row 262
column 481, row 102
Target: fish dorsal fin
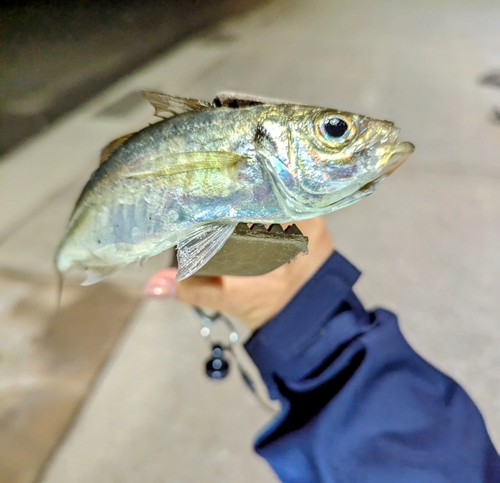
column 168, row 106
column 236, row 100
column 113, row 146
column 200, row 246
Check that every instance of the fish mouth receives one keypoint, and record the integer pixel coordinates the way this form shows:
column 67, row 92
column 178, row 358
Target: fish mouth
column 397, row 155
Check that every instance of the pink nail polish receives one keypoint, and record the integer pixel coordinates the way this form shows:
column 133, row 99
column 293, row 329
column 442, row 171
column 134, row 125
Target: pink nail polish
column 160, row 288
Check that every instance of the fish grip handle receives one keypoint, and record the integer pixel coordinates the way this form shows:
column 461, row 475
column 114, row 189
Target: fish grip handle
column 255, row 250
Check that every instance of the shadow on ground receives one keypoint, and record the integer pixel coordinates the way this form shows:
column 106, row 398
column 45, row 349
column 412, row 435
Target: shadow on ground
column 56, row 55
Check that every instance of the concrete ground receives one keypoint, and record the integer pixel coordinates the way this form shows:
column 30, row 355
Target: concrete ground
column 427, row 241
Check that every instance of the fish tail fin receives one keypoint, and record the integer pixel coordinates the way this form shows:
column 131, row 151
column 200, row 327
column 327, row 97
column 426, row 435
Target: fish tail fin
column 60, row 285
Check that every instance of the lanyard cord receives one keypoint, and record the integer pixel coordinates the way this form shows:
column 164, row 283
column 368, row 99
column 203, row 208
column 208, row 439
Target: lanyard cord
column 217, row 367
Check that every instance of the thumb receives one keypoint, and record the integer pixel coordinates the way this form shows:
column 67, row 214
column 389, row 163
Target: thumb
column 200, row 291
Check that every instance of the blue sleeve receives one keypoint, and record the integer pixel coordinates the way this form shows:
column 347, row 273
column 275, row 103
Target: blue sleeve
column 358, row 404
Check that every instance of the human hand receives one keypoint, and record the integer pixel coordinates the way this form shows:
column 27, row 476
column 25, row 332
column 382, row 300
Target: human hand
column 254, row 300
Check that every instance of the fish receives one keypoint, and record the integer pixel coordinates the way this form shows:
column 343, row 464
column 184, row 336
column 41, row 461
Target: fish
column 189, row 179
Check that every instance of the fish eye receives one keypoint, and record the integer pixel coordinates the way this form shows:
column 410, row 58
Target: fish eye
column 334, row 129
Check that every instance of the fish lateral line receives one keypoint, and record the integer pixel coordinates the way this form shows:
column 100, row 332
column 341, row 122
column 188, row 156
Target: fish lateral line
column 193, row 161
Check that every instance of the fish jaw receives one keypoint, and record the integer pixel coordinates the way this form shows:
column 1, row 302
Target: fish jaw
column 395, row 157
column 380, row 146
column 383, row 160
column 392, row 159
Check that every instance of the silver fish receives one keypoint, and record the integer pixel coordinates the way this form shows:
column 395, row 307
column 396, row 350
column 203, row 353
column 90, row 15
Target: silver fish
column 188, row 180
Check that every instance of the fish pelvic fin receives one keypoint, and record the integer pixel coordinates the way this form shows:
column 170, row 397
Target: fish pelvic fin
column 167, row 106
column 110, row 148
column 200, row 246
column 97, row 274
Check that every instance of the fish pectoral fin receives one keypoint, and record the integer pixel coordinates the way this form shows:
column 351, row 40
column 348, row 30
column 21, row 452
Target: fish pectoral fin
column 96, row 274
column 200, row 246
column 236, row 100
column 113, row 146
column 168, row 106
column 183, row 162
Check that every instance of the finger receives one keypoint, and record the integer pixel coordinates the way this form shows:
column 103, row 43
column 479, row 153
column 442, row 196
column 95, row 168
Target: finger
column 162, row 285
column 202, row 292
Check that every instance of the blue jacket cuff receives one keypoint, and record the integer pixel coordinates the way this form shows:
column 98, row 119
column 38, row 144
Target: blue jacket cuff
column 286, row 337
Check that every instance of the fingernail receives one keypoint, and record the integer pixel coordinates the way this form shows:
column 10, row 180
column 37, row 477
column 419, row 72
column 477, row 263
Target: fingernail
column 160, row 286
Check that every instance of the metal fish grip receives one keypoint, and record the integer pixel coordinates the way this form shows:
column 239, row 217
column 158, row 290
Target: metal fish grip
column 256, row 250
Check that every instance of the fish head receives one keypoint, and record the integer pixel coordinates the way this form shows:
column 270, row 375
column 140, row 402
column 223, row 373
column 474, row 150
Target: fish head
column 334, row 158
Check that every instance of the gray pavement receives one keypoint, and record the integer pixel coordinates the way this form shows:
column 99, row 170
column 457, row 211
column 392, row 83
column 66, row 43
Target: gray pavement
column 427, row 240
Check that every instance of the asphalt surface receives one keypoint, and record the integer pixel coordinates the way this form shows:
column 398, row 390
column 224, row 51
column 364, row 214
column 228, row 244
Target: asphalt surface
column 56, row 55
